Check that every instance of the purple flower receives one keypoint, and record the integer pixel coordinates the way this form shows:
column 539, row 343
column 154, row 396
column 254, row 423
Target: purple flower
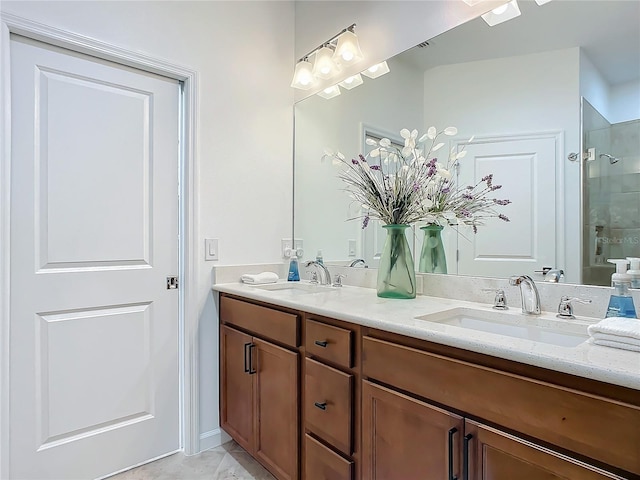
column 362, row 159
column 503, row 217
column 467, row 196
column 446, row 190
column 488, row 178
column 501, row 202
column 354, row 161
column 416, row 187
column 496, row 187
column 475, row 229
column 469, row 187
column 365, row 222
column 374, row 167
column 465, row 213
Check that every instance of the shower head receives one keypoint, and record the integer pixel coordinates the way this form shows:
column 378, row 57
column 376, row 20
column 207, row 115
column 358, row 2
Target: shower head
column 611, row 158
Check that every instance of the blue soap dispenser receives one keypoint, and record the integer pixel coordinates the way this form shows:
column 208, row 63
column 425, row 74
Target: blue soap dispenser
column 294, row 273
column 621, row 301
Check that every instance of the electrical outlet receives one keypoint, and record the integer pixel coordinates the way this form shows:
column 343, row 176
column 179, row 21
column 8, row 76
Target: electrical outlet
column 211, row 249
column 352, row 248
column 287, row 244
column 298, row 244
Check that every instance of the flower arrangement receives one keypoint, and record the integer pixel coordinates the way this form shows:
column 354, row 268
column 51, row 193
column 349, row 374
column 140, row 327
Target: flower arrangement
column 409, row 185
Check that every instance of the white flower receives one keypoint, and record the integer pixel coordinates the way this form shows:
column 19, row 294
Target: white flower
column 385, row 142
column 450, row 131
column 432, row 132
column 375, row 152
column 371, row 141
column 437, row 147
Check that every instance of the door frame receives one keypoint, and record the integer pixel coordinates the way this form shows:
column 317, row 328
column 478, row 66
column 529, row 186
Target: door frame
column 187, row 211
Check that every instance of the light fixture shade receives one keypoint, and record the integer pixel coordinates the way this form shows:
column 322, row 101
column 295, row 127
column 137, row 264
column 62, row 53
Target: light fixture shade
column 303, row 75
column 502, row 13
column 347, row 50
column 542, row 2
column 471, row 3
column 352, row 82
column 377, row 70
column 324, row 66
column 330, row 92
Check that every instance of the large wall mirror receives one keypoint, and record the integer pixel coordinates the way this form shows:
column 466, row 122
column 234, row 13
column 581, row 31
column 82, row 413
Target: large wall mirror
column 522, row 89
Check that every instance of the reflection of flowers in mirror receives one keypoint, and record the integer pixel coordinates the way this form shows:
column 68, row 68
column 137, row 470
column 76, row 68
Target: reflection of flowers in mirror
column 409, row 185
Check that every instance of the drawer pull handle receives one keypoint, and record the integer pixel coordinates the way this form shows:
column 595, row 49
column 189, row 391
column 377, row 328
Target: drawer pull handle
column 322, row 344
column 465, row 458
column 252, row 370
column 321, row 406
column 452, row 432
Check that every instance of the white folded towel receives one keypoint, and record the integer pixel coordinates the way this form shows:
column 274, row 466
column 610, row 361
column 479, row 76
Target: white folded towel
column 260, row 278
column 617, row 332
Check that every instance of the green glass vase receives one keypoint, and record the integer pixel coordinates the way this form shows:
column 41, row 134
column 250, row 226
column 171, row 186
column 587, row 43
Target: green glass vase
column 396, row 273
column 432, row 257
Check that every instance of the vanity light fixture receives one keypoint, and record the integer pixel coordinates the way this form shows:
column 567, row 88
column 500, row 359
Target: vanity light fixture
column 303, row 75
column 324, row 66
column 351, row 82
column 502, row 13
column 376, row 70
column 330, row 92
column 542, row 2
column 340, row 50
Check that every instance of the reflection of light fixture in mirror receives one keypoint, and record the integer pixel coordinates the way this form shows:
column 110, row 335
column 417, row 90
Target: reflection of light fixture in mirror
column 376, row 70
column 330, row 92
column 303, row 75
column 351, row 82
column 471, row 3
column 324, row 66
column 347, row 50
column 542, row 2
column 502, row 13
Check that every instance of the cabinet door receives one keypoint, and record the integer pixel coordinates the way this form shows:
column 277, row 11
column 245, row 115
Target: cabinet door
column 404, row 438
column 236, row 386
column 276, row 422
column 496, row 455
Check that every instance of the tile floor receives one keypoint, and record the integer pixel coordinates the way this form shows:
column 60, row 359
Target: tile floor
column 226, row 462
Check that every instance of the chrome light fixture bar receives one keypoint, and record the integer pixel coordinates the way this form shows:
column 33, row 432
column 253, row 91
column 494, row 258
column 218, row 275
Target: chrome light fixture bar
column 341, row 49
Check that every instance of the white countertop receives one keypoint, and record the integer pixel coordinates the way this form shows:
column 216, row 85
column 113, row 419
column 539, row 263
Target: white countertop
column 363, row 307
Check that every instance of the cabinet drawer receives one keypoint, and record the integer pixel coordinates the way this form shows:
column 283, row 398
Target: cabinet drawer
column 323, row 464
column 328, row 404
column 329, row 342
column 602, row 429
column 263, row 321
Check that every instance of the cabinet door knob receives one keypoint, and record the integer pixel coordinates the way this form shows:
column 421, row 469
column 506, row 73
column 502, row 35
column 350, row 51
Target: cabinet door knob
column 321, row 343
column 452, row 432
column 321, row 406
column 465, row 458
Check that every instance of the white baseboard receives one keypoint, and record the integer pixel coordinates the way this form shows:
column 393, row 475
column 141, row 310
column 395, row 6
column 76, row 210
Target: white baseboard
column 213, row 438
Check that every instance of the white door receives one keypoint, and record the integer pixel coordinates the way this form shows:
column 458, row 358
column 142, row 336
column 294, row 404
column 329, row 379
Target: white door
column 94, row 223
column 526, row 169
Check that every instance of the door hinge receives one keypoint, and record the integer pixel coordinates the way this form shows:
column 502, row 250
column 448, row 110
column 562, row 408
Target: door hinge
column 172, row 282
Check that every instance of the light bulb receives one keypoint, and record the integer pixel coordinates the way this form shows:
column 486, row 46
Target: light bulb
column 501, row 9
column 347, row 56
column 377, row 70
column 351, row 82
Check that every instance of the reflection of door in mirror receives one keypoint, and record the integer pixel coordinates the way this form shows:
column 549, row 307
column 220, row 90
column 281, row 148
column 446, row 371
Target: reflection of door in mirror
column 525, row 166
column 374, row 236
column 611, row 193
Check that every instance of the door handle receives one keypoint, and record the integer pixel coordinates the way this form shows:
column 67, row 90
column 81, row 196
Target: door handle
column 322, row 343
column 247, row 362
column 452, row 432
column 465, row 458
column 321, row 406
column 252, row 370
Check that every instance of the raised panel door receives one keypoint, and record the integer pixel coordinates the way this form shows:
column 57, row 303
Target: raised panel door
column 236, row 386
column 404, row 438
column 276, row 426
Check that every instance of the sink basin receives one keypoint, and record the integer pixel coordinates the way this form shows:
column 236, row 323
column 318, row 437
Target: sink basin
column 538, row 329
column 295, row 287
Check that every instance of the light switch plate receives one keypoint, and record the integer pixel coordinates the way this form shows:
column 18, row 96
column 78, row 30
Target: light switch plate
column 352, row 248
column 211, row 249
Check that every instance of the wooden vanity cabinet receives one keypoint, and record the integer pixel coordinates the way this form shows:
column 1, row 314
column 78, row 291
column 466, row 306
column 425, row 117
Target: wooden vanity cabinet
column 259, row 387
column 330, row 408
column 606, row 430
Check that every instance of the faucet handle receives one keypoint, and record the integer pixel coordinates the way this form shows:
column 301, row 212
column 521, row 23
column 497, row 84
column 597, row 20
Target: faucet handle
column 565, row 309
column 337, row 282
column 500, row 300
column 313, row 277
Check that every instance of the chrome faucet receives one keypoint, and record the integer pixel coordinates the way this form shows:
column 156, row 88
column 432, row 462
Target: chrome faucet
column 325, row 278
column 357, row 262
column 528, row 292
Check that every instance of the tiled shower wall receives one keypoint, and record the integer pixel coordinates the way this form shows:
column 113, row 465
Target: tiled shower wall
column 612, row 196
